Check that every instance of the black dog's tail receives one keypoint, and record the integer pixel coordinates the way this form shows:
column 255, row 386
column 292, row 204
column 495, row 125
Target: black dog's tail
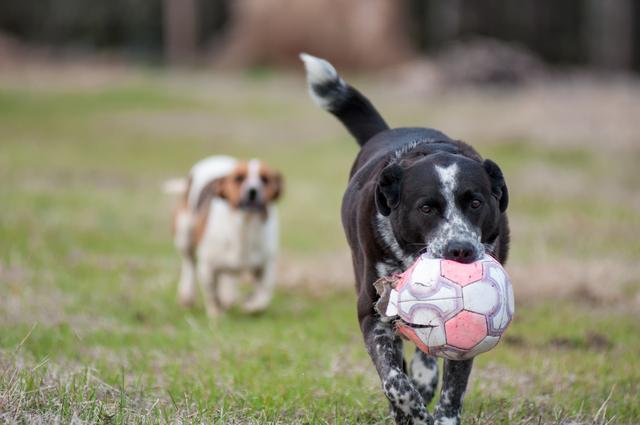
column 331, row 93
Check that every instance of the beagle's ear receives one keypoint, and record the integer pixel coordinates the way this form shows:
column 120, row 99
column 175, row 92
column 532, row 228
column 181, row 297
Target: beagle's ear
column 219, row 187
column 278, row 186
column 387, row 193
column 213, row 189
column 274, row 187
column 498, row 185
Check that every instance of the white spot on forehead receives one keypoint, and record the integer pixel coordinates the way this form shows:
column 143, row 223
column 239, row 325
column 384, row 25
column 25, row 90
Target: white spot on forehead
column 448, row 178
column 254, row 167
column 454, row 225
column 253, row 173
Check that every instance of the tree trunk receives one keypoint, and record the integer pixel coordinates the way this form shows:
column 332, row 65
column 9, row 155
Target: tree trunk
column 609, row 28
column 180, row 31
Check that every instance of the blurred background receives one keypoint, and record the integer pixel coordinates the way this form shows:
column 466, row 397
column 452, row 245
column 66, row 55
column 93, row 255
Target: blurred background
column 102, row 101
column 359, row 34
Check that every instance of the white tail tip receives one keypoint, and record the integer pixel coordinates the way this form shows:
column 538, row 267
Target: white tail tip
column 325, row 85
column 175, row 186
column 319, row 71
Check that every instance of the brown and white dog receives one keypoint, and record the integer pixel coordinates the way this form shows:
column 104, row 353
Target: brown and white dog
column 226, row 225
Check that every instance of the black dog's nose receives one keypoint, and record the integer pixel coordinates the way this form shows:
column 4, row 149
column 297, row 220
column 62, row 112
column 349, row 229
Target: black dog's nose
column 462, row 252
column 252, row 194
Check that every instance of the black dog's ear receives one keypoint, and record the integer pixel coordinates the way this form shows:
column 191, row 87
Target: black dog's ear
column 388, row 189
column 498, row 186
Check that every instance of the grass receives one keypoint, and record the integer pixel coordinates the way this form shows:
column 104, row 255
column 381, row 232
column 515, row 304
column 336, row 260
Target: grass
column 89, row 327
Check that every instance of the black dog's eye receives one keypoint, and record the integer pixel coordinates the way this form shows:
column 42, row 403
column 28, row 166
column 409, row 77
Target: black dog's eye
column 426, row 209
column 475, row 204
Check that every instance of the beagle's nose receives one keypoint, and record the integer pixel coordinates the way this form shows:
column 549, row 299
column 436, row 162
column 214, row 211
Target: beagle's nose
column 462, row 252
column 252, row 194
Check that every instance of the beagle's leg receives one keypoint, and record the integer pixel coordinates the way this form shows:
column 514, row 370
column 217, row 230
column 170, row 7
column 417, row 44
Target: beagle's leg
column 227, row 290
column 265, row 280
column 208, row 282
column 187, row 285
column 183, row 228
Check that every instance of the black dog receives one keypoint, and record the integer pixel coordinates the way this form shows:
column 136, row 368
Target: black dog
column 411, row 190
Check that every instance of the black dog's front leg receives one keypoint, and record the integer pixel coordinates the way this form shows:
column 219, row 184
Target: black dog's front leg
column 385, row 349
column 424, row 374
column 454, row 384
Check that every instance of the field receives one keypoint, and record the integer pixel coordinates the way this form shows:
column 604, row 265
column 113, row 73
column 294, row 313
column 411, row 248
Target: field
column 90, row 331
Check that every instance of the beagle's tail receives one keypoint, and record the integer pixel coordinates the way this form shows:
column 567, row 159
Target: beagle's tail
column 177, row 186
column 332, row 94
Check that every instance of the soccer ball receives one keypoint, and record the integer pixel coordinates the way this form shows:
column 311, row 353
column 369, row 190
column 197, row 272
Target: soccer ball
column 450, row 309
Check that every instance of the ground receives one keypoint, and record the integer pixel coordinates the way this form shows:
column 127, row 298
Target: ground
column 90, row 331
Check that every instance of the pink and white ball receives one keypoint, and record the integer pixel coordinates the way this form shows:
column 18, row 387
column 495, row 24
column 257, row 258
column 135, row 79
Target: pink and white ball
column 450, row 309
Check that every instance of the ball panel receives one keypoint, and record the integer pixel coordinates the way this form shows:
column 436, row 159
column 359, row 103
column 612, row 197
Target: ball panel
column 423, row 315
column 445, row 308
column 423, row 281
column 496, row 273
column 404, row 277
column 481, row 297
column 501, row 318
column 432, row 336
column 485, row 345
column 510, row 300
column 436, row 337
column 392, row 306
column 438, row 289
column 499, row 322
column 466, row 329
column 462, row 274
column 451, row 353
column 410, row 333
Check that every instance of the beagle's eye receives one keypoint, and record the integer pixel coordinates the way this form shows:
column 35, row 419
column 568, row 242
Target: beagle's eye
column 475, row 204
column 426, row 209
column 239, row 178
column 264, row 179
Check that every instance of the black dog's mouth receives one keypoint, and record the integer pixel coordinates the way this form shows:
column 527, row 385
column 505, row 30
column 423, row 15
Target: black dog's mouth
column 416, row 326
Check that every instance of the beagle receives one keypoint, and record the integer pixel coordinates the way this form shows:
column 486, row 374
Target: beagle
column 225, row 225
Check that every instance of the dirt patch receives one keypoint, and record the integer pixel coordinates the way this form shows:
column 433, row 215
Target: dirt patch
column 577, row 110
column 493, row 378
column 317, row 273
column 599, row 282
column 592, row 341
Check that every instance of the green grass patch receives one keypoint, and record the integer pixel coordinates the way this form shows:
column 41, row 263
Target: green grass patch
column 90, row 329
column 304, row 359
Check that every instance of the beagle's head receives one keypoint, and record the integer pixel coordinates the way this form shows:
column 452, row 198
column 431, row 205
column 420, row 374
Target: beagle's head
column 251, row 185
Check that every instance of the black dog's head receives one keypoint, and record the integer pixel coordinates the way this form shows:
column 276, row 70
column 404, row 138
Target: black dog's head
column 444, row 203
